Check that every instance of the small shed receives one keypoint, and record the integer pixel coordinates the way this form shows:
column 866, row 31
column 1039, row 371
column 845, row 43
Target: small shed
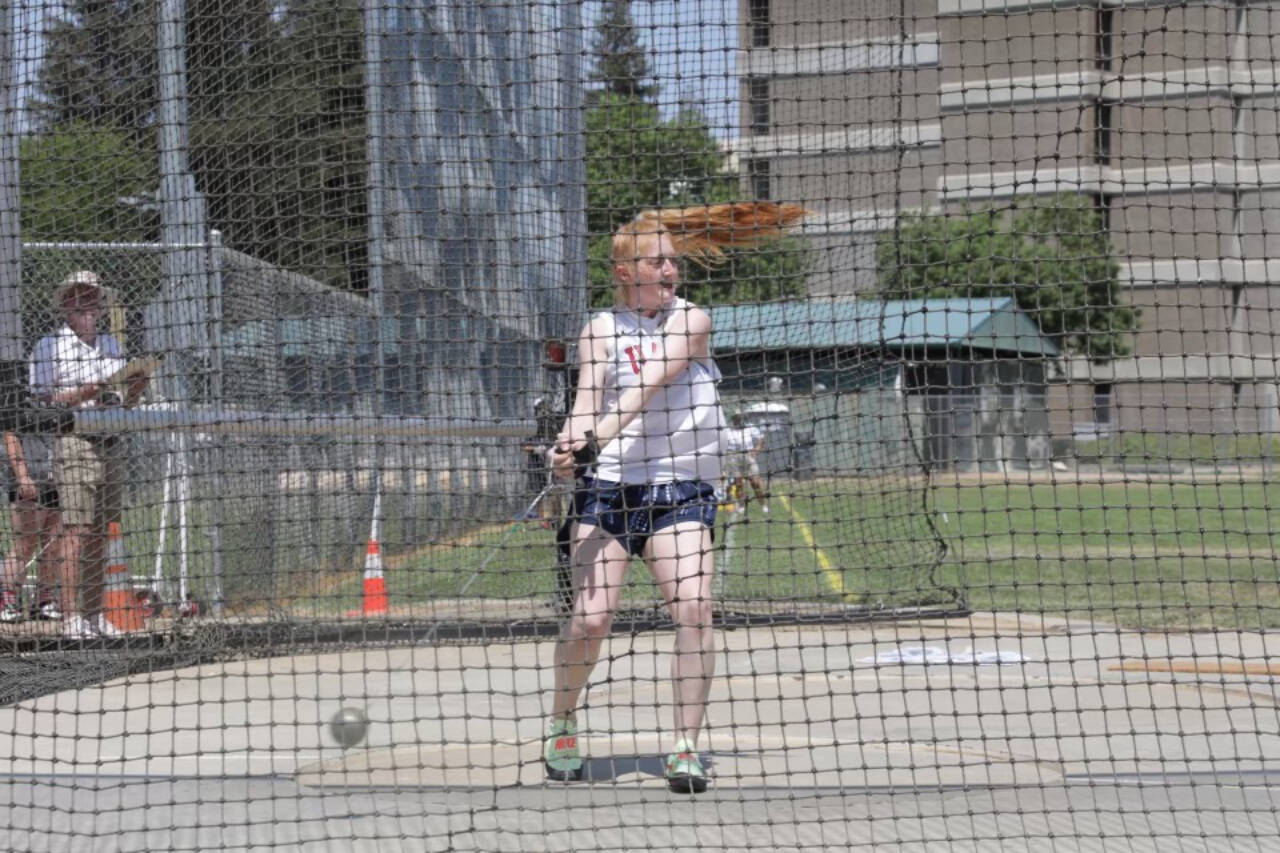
column 961, row 379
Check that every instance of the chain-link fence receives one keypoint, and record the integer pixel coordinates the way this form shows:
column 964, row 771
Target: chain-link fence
column 251, row 521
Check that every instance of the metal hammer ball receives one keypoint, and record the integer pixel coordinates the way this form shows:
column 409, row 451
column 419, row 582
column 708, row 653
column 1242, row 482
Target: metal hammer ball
column 349, row 726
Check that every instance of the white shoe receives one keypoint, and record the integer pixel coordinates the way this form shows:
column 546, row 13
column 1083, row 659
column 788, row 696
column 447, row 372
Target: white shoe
column 76, row 625
column 105, row 627
column 49, row 612
column 765, row 509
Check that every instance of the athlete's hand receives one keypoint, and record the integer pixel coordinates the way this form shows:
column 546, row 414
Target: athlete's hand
column 570, row 457
column 585, row 455
column 562, row 459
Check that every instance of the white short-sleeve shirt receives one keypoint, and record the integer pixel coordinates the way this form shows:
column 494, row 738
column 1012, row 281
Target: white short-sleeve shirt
column 740, row 439
column 62, row 361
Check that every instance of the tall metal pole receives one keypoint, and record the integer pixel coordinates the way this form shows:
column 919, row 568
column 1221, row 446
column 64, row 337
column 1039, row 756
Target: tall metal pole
column 377, row 205
column 183, row 220
column 11, row 349
column 217, row 402
column 183, row 230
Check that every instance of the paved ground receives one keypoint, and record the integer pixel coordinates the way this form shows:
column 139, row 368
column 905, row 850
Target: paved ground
column 1083, row 738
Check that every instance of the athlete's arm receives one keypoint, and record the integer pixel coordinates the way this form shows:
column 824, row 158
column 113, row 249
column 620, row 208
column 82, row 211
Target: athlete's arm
column 593, row 354
column 686, row 336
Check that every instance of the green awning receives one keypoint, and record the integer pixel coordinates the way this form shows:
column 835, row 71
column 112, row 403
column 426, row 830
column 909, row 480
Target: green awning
column 996, row 325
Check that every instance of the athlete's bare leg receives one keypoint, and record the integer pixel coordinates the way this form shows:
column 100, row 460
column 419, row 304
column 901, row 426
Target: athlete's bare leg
column 680, row 558
column 599, row 569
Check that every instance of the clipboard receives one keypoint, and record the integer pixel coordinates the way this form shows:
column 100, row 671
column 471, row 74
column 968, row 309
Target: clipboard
column 134, row 368
column 117, row 383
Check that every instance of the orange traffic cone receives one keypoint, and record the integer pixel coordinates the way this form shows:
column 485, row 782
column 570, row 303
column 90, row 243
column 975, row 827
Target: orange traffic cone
column 375, row 586
column 119, row 605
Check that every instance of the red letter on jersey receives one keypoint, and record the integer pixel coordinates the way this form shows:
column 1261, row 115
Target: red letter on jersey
column 637, row 358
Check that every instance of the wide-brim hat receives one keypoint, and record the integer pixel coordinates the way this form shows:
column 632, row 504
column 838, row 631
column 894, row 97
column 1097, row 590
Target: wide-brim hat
column 80, row 286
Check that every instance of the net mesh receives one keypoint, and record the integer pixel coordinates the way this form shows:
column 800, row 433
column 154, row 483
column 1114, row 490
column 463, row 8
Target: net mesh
column 953, row 532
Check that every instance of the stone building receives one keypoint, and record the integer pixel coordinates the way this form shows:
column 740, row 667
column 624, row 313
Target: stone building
column 1165, row 114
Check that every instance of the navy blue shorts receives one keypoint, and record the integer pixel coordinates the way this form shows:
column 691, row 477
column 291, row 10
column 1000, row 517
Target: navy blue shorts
column 48, row 498
column 631, row 514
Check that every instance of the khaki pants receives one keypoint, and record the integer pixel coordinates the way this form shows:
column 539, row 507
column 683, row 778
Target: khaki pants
column 90, row 476
column 739, row 464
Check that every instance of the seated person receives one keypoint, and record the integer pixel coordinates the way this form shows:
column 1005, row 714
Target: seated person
column 70, row 368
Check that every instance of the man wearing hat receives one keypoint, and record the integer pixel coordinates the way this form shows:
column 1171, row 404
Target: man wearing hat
column 70, row 368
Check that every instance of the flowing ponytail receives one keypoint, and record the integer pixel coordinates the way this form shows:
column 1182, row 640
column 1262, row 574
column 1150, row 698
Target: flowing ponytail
column 703, row 233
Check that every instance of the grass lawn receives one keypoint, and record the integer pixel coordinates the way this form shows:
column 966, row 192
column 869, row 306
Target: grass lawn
column 814, row 547
column 1138, row 554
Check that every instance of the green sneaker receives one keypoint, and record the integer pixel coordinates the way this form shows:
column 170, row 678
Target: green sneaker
column 684, row 771
column 560, row 752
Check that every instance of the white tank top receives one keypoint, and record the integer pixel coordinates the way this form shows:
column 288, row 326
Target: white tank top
column 677, row 436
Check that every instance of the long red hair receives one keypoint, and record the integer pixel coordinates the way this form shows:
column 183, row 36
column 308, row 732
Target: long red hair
column 702, row 233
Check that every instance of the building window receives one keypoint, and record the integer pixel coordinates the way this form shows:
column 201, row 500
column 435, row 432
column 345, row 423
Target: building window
column 1102, row 204
column 758, row 21
column 1102, row 404
column 1240, row 131
column 1102, row 133
column 927, row 378
column 1239, row 50
column 758, row 170
column 1104, row 46
column 758, row 105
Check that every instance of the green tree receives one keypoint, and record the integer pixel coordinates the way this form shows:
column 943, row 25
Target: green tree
column 99, row 67
column 101, row 64
column 635, row 161
column 1051, row 254
column 621, row 65
column 276, row 104
column 231, row 47
column 73, row 181
column 282, row 164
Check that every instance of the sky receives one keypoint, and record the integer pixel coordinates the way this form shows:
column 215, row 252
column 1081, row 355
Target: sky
column 27, row 46
column 27, row 40
column 692, row 45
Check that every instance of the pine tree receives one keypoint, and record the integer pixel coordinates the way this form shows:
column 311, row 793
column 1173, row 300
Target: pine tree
column 276, row 105
column 282, row 163
column 621, row 65
column 100, row 67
